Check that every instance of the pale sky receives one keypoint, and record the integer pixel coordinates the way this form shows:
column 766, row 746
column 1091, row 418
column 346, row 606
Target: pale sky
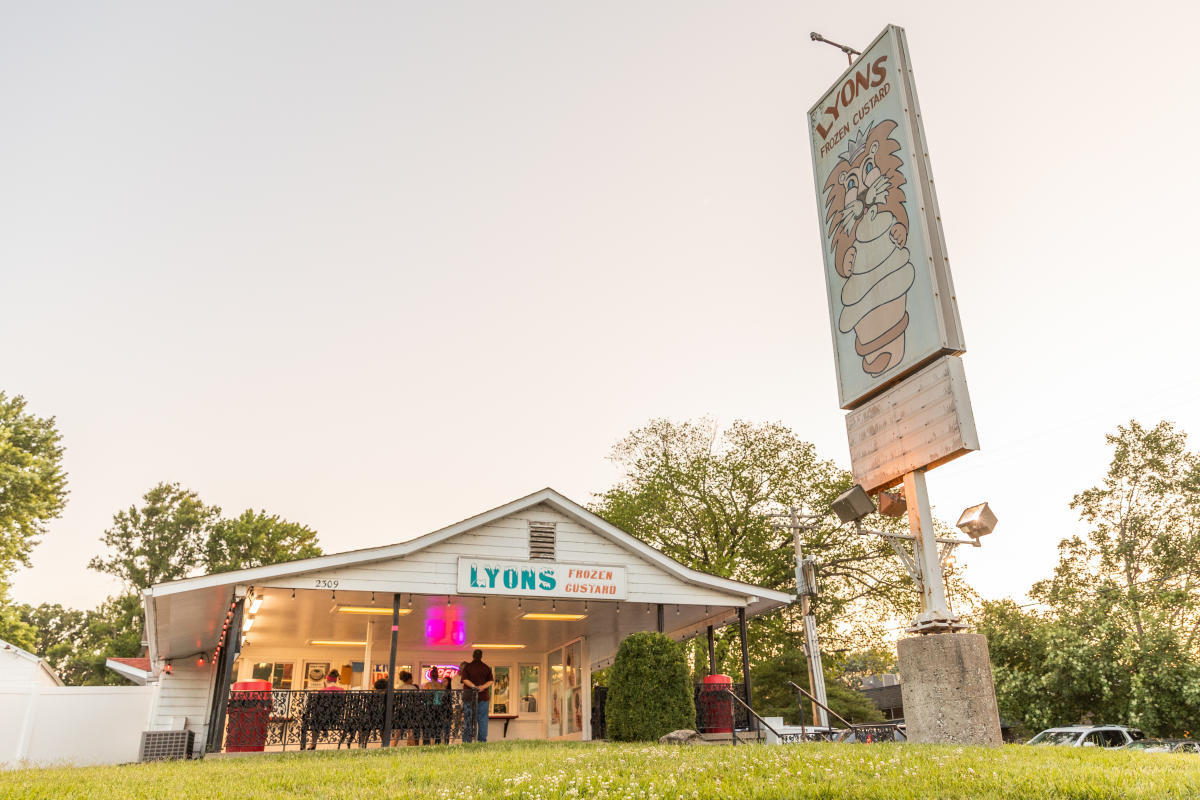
column 377, row 267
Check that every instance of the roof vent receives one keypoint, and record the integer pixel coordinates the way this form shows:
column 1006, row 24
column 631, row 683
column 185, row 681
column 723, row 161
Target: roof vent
column 541, row 541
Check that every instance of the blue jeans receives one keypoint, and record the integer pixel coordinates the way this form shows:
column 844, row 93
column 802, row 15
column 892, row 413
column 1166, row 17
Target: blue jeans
column 475, row 716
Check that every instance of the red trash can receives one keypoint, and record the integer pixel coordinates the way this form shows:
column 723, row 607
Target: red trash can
column 716, row 705
column 248, row 715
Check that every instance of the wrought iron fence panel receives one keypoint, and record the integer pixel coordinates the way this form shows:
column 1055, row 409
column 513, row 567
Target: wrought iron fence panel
column 867, row 734
column 306, row 718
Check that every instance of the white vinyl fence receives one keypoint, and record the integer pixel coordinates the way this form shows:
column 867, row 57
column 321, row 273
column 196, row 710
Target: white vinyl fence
column 46, row 725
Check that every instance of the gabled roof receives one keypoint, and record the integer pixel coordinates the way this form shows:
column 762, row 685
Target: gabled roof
column 28, row 656
column 135, row 669
column 548, row 496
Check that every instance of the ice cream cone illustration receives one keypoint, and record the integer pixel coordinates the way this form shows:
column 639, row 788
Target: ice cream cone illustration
column 868, row 227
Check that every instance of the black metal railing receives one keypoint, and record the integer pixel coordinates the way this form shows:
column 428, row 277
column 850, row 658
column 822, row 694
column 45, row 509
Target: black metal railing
column 599, row 703
column 306, row 718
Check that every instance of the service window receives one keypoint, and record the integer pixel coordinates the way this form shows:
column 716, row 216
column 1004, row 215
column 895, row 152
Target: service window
column 279, row 673
column 501, row 691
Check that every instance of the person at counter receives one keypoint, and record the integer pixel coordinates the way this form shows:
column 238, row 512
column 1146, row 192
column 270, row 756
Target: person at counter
column 436, row 727
column 477, row 677
column 323, row 711
column 406, row 724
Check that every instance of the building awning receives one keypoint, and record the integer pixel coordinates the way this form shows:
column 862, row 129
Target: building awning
column 185, row 617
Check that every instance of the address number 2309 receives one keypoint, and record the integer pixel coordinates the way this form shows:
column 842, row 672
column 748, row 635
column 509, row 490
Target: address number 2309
column 326, row 583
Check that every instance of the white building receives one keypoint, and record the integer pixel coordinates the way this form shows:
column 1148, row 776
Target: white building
column 544, row 587
column 20, row 668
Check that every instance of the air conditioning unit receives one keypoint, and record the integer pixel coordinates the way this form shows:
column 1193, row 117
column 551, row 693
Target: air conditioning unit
column 165, row 745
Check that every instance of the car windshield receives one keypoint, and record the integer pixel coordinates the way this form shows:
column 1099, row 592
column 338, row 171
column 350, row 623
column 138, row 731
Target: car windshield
column 1055, row 737
column 1150, row 746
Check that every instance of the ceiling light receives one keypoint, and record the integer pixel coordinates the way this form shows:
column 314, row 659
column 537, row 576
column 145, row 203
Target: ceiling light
column 552, row 617
column 256, row 603
column 382, row 612
column 335, row 643
column 249, row 623
column 485, row 646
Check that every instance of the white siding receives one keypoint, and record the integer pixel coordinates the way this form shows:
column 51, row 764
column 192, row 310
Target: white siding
column 184, row 700
column 433, row 570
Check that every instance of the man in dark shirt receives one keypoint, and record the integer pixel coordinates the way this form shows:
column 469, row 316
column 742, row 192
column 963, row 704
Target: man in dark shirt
column 476, row 680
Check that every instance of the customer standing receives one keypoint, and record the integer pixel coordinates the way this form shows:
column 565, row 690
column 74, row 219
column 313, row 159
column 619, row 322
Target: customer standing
column 436, row 728
column 476, row 679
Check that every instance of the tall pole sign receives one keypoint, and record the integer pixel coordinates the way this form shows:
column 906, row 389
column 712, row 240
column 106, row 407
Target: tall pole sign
column 897, row 336
column 897, row 340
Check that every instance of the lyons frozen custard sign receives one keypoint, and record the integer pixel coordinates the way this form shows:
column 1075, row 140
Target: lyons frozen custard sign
column 540, row 579
column 891, row 299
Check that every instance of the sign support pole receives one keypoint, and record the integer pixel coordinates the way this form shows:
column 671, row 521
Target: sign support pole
column 935, row 614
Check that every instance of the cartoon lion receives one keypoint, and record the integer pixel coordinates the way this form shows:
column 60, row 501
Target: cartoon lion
column 868, row 228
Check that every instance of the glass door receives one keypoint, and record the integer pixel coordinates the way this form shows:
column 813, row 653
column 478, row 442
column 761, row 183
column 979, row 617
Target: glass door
column 573, row 694
column 555, row 701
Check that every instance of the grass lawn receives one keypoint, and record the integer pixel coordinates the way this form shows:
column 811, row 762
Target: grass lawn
column 645, row 772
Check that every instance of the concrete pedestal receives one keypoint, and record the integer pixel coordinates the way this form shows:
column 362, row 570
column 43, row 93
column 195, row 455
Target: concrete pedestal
column 946, row 683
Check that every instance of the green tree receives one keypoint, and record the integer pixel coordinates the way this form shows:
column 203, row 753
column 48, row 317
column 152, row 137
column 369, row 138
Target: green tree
column 161, row 541
column 1116, row 640
column 59, row 633
column 33, row 486
column 254, row 539
column 649, row 690
column 711, row 499
column 33, row 491
column 76, row 644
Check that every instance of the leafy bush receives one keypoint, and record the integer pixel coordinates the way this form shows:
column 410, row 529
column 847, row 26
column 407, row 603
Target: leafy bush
column 649, row 690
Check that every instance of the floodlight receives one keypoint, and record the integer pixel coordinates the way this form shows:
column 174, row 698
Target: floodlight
column 977, row 521
column 853, row 504
column 892, row 505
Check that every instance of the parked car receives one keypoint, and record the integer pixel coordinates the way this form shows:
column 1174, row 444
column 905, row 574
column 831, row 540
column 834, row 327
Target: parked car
column 1088, row 736
column 1165, row 746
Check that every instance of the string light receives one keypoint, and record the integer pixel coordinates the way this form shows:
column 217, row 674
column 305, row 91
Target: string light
column 293, row 594
column 200, row 660
column 677, row 609
column 485, row 602
column 410, row 599
column 372, row 598
column 167, row 669
column 647, row 608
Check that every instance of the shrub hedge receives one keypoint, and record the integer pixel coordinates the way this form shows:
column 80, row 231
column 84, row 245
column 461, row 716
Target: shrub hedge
column 649, row 689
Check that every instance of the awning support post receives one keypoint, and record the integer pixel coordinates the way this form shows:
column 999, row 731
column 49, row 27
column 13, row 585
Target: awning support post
column 745, row 661
column 217, row 726
column 661, row 621
column 712, row 652
column 390, row 700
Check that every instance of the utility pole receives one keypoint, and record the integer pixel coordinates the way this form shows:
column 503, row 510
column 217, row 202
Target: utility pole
column 806, row 587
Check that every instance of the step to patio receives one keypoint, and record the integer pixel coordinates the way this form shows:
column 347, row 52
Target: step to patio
column 743, row 737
